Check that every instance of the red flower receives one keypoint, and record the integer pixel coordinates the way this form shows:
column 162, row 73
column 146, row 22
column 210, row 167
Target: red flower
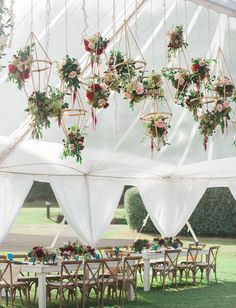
column 195, row 67
column 11, row 68
column 99, row 51
column 89, row 95
column 86, row 43
column 24, row 75
column 97, row 87
column 105, row 105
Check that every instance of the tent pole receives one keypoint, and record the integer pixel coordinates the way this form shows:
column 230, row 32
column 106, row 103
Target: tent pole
column 190, row 229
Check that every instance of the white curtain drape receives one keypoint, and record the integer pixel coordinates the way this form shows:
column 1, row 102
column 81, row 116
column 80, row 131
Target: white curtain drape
column 170, row 202
column 87, row 203
column 13, row 191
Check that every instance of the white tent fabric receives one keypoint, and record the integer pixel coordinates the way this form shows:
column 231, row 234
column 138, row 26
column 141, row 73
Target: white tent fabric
column 88, row 204
column 13, row 191
column 171, row 202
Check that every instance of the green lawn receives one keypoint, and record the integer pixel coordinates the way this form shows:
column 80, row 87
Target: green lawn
column 218, row 294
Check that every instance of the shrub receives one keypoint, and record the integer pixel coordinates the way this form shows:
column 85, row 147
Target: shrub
column 136, row 212
column 215, row 214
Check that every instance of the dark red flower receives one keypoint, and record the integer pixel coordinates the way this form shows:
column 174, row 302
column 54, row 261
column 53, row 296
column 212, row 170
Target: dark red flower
column 96, row 86
column 86, row 43
column 24, row 75
column 195, row 67
column 11, row 68
column 99, row 51
column 105, row 105
column 89, row 95
column 81, row 139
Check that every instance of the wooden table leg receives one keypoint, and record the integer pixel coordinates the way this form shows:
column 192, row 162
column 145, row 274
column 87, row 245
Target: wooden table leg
column 42, row 290
column 146, row 275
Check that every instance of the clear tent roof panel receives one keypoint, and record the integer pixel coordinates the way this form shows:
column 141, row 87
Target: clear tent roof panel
column 119, row 128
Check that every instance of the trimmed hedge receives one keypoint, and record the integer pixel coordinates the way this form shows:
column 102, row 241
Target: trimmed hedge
column 215, row 215
column 136, row 212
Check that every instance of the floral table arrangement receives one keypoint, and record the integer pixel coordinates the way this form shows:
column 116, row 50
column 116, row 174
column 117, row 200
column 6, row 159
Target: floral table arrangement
column 67, row 250
column 166, row 242
column 37, row 254
column 140, row 244
column 20, row 66
column 85, row 252
column 74, row 143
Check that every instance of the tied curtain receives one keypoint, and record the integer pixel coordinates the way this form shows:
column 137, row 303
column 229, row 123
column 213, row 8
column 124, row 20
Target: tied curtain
column 170, row 202
column 88, row 204
column 13, row 191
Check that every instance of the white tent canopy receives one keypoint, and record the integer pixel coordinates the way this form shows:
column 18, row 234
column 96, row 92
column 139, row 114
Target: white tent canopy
column 114, row 155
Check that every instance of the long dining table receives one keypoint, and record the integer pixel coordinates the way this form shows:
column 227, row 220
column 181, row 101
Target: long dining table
column 159, row 256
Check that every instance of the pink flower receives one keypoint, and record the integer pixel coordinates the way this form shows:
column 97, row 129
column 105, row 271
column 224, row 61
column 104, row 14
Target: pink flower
column 139, row 90
column 72, row 74
column 201, row 62
column 219, row 107
column 128, row 95
column 159, row 123
column 226, row 104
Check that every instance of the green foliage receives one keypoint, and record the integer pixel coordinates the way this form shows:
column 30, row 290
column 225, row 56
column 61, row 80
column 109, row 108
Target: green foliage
column 215, row 214
column 136, row 212
column 40, row 192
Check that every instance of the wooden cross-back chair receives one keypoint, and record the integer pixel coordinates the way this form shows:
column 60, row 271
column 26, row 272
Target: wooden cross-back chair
column 11, row 284
column 91, row 280
column 110, row 270
column 129, row 276
column 189, row 265
column 210, row 264
column 70, row 272
column 169, row 266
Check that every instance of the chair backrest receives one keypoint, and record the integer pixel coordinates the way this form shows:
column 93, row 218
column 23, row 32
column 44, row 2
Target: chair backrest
column 70, row 271
column 92, row 271
column 199, row 245
column 8, row 273
column 213, row 251
column 192, row 255
column 130, row 268
column 171, row 259
column 110, row 269
column 105, row 251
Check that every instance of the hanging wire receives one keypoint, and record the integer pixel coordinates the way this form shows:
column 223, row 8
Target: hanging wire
column 165, row 39
column 136, row 19
column 186, row 18
column 152, row 29
column 125, row 9
column 31, row 15
column 209, row 30
column 114, row 22
column 86, row 25
column 176, row 11
column 229, row 41
column 66, row 27
column 12, row 23
column 47, row 36
column 98, row 15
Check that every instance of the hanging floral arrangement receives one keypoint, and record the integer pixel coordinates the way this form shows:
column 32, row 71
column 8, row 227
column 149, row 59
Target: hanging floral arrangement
column 193, row 101
column 6, row 25
column 176, row 41
column 153, row 86
column 179, row 78
column 20, row 67
column 223, row 86
column 134, row 91
column 111, row 79
column 69, row 72
column 74, row 143
column 201, row 69
column 97, row 96
column 211, row 119
column 96, row 45
column 124, row 68
column 157, row 125
column 42, row 106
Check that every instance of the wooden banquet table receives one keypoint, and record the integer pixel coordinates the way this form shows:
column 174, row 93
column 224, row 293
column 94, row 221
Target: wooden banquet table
column 159, row 255
column 42, row 270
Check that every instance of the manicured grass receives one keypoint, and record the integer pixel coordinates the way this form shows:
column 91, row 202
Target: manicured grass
column 36, row 216
column 214, row 295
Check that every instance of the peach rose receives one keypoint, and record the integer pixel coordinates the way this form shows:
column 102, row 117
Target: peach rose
column 159, row 123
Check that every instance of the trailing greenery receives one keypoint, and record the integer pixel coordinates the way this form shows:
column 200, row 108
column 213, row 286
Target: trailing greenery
column 215, row 215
